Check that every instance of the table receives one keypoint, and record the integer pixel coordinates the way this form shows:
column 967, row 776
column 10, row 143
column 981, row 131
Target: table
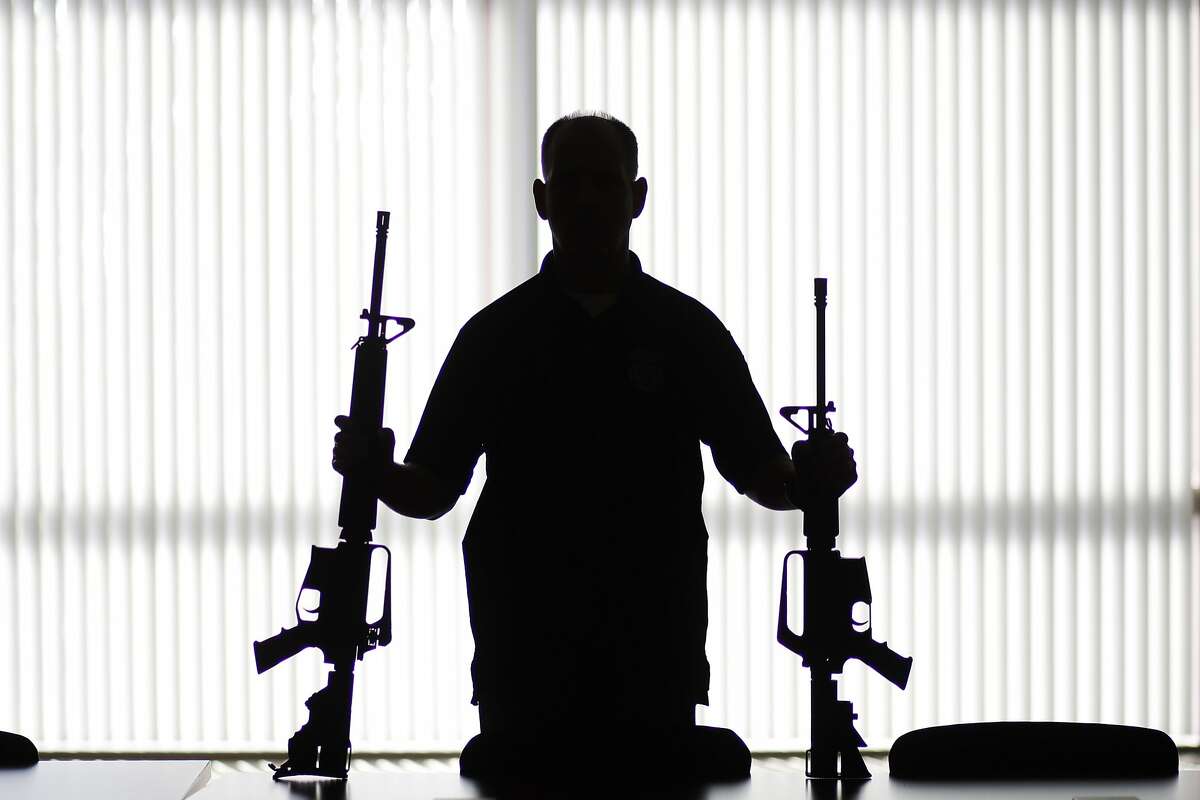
column 84, row 780
column 763, row 785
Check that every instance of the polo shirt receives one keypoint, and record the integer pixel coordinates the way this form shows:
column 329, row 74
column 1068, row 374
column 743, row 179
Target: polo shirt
column 586, row 554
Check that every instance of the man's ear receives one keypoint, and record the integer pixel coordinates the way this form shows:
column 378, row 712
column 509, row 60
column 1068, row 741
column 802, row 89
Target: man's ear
column 539, row 197
column 640, row 187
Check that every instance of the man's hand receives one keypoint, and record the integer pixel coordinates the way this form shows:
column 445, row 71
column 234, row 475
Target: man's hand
column 825, row 469
column 354, row 451
column 408, row 489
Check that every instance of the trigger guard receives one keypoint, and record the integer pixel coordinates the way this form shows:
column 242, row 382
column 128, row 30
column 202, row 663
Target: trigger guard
column 301, row 609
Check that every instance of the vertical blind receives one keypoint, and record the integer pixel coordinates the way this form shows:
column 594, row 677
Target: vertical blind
column 1005, row 197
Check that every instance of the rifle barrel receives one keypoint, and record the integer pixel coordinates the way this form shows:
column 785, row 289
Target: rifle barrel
column 381, row 231
column 820, row 293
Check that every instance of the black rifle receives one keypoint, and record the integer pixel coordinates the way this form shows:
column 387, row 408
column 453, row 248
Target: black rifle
column 342, row 574
column 832, row 586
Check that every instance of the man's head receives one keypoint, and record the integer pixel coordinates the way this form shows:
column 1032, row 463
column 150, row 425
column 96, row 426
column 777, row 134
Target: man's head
column 590, row 195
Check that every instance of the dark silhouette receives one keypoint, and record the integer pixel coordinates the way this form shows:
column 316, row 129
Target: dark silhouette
column 339, row 577
column 591, row 387
column 1027, row 750
column 16, row 750
column 833, row 585
column 590, row 785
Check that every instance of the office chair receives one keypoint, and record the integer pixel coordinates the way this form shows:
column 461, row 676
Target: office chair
column 1024, row 750
column 16, row 751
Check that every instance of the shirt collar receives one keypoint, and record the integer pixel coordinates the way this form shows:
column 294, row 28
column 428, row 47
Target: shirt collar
column 635, row 263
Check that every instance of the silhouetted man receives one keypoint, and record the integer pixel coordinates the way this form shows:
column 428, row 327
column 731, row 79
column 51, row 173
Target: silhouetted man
column 590, row 387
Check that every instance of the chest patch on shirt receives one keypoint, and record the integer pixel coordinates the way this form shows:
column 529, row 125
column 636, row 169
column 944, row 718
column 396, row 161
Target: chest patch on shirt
column 646, row 370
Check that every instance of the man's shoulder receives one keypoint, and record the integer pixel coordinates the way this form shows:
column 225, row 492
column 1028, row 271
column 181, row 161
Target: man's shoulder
column 502, row 313
column 678, row 308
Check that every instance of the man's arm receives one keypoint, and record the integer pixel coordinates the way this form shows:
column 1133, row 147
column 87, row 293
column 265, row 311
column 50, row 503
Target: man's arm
column 769, row 484
column 448, row 441
column 733, row 420
column 414, row 491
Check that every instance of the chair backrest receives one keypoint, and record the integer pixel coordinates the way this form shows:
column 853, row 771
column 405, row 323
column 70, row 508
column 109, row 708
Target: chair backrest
column 1017, row 750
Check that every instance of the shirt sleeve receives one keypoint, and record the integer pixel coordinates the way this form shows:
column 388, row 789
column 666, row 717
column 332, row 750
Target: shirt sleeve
column 733, row 420
column 448, row 440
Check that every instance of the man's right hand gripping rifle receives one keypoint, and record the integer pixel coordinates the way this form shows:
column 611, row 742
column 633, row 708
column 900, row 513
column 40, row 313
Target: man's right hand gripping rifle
column 407, row 489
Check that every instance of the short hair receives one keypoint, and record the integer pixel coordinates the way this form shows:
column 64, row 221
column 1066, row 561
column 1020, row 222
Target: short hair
column 624, row 134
